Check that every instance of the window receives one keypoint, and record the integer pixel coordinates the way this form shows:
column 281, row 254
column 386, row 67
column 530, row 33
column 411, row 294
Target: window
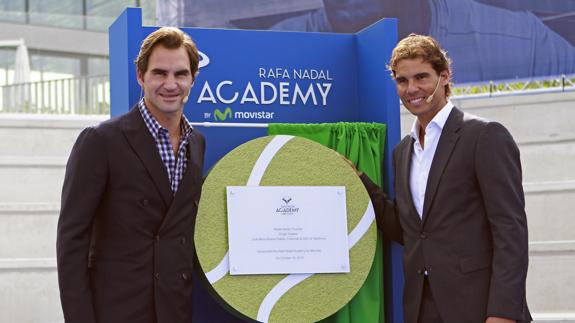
column 102, row 13
column 46, row 67
column 7, row 58
column 13, row 10
column 98, row 66
column 60, row 13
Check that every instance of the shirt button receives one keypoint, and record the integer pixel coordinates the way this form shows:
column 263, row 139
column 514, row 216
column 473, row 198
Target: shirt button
column 157, row 238
column 157, row 276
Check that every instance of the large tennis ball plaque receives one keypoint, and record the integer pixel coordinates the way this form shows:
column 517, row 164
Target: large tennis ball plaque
column 283, row 161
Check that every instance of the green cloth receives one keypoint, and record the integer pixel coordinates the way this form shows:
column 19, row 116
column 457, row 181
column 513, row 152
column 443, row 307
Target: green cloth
column 361, row 143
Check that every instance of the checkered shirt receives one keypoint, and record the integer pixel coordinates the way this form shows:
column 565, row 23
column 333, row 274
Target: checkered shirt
column 175, row 166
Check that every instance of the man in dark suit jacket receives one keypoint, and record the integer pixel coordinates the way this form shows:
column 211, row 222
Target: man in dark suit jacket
column 459, row 206
column 130, row 196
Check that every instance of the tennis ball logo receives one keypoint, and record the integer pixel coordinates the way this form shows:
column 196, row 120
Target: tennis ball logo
column 283, row 161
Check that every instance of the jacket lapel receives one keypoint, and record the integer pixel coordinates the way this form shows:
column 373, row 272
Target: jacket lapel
column 143, row 144
column 192, row 175
column 447, row 141
column 196, row 148
column 406, row 154
column 195, row 164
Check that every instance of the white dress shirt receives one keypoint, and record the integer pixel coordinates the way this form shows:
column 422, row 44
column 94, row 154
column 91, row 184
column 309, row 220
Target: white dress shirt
column 423, row 156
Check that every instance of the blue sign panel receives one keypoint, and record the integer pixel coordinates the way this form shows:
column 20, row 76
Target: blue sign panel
column 260, row 77
column 257, row 76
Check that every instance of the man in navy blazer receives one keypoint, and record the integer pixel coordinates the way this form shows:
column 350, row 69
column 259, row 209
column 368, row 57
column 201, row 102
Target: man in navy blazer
column 130, row 196
column 459, row 206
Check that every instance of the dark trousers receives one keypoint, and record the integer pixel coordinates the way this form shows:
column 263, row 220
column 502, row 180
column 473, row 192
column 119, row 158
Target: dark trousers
column 428, row 312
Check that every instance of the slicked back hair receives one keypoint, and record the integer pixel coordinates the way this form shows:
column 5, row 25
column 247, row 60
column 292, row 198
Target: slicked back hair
column 170, row 38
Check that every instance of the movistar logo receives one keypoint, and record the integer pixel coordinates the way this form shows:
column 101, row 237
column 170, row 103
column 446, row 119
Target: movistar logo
column 222, row 116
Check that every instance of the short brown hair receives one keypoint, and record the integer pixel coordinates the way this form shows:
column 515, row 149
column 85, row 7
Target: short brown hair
column 171, row 38
column 425, row 47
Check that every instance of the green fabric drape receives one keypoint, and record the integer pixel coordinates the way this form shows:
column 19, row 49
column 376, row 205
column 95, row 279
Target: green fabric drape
column 362, row 143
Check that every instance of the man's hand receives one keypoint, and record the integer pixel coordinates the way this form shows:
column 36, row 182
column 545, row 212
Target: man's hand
column 492, row 319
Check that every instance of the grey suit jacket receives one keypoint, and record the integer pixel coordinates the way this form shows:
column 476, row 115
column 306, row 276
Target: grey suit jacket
column 124, row 242
column 472, row 240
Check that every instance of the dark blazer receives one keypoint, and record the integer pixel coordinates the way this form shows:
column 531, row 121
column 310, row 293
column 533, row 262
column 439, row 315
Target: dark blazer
column 472, row 240
column 124, row 242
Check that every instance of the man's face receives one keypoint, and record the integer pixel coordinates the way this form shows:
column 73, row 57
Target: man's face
column 415, row 81
column 166, row 82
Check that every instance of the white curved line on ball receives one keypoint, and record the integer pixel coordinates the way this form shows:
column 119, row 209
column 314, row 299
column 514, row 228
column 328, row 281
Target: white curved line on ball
column 276, row 293
column 220, row 271
column 254, row 180
column 361, row 228
column 265, row 158
column 291, row 280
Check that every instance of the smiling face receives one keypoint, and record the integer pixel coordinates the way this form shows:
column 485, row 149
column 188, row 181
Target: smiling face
column 166, row 82
column 416, row 81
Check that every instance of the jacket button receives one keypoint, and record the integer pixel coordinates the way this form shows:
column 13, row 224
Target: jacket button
column 183, row 240
column 157, row 276
column 196, row 203
column 420, row 271
column 185, row 276
column 423, row 235
column 145, row 202
column 157, row 238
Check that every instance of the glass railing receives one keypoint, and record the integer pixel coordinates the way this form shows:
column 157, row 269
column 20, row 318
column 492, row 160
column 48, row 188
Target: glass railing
column 91, row 95
column 548, row 84
column 84, row 95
